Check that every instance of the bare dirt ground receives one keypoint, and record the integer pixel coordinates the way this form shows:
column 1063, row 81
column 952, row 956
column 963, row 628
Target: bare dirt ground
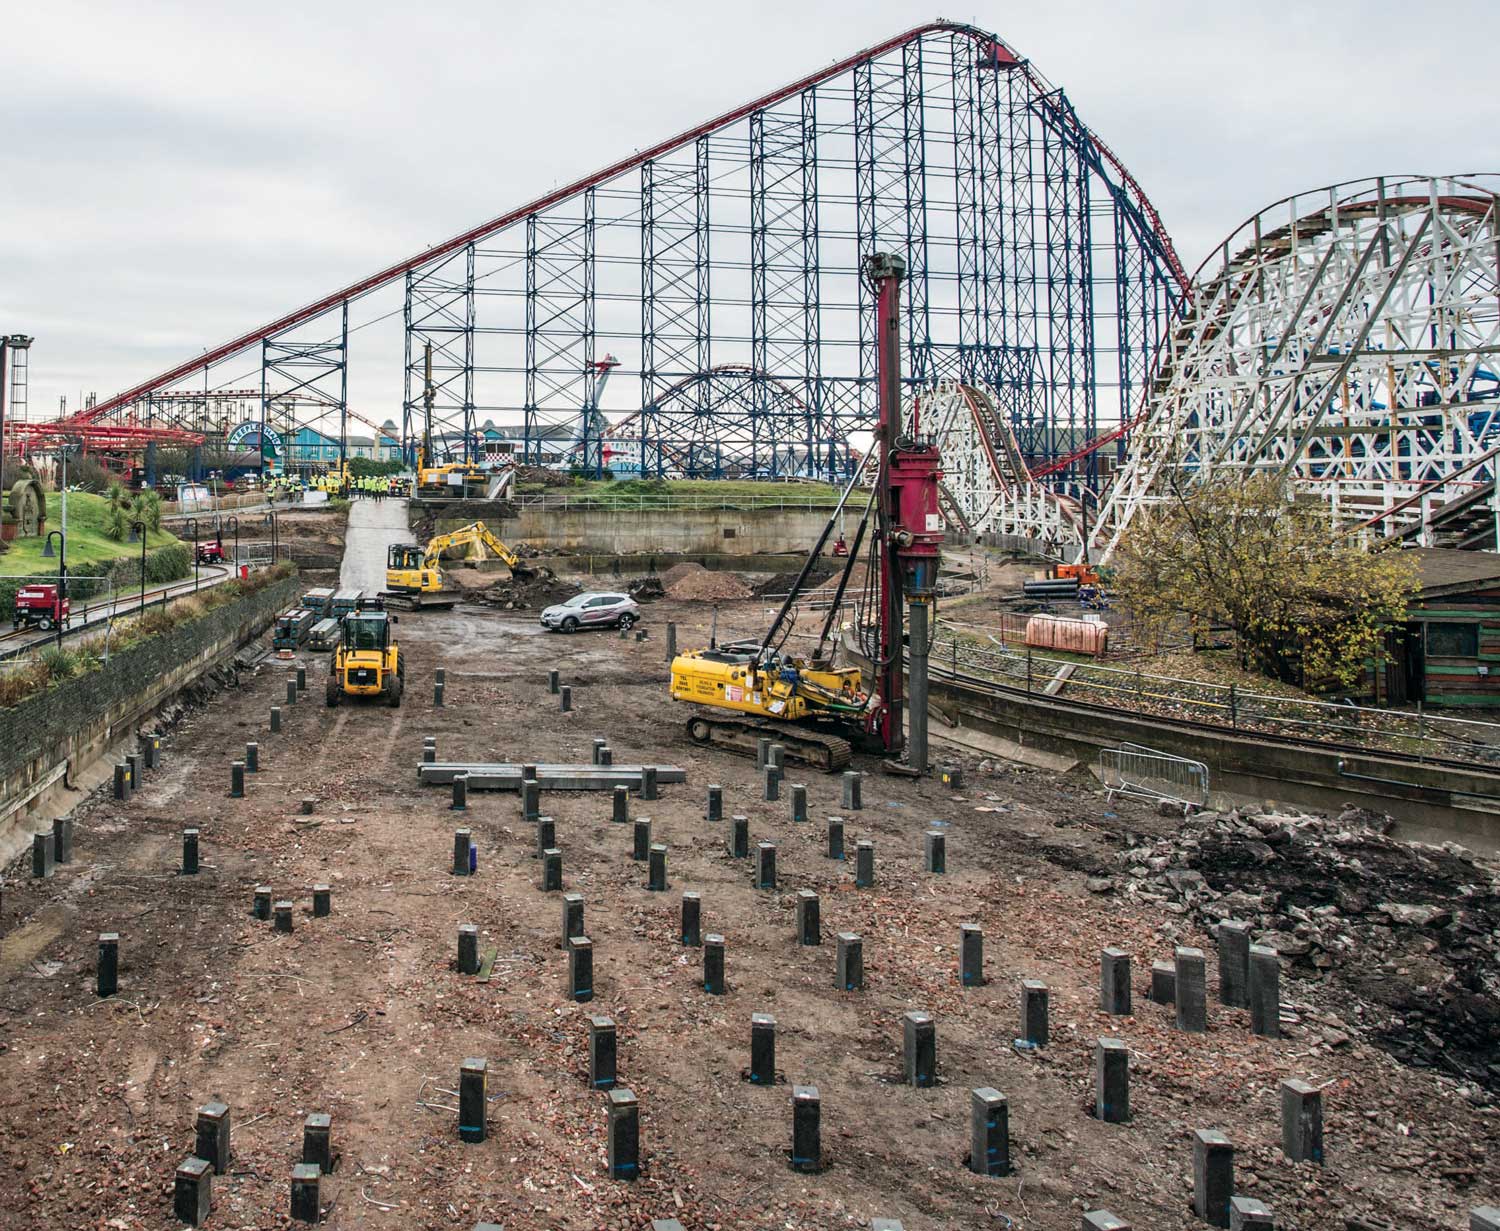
column 362, row 1015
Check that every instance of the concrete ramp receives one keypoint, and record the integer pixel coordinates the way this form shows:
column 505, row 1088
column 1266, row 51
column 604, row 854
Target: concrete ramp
column 373, row 526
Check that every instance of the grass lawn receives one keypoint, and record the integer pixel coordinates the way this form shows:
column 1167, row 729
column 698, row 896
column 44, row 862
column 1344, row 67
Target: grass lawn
column 87, row 542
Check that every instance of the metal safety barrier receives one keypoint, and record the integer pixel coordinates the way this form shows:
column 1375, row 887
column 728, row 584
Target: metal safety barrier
column 1144, row 773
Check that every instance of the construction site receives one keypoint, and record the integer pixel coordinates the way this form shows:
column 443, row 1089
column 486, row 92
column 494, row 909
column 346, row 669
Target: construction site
column 705, row 758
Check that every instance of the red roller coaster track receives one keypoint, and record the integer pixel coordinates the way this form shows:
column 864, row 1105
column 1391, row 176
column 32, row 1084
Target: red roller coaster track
column 1003, row 55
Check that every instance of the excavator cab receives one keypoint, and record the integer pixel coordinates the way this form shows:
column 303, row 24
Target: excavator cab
column 367, row 662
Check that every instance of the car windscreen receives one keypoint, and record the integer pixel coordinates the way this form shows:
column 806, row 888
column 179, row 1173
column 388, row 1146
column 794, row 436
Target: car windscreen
column 578, row 600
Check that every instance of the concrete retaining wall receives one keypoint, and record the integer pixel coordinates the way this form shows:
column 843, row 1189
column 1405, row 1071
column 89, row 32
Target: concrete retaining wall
column 1433, row 802
column 691, row 532
column 72, row 723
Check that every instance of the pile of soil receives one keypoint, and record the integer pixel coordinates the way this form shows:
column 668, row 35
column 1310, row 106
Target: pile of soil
column 694, row 583
column 1408, row 933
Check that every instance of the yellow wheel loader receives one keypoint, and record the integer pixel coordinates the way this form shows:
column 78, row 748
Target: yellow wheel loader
column 367, row 662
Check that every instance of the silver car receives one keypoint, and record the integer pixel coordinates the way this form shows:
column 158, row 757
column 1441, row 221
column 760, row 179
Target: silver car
column 592, row 609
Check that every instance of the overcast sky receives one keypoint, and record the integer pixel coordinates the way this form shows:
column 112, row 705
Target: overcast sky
column 175, row 173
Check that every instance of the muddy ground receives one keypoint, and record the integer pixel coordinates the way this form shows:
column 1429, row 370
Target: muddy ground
column 361, row 1015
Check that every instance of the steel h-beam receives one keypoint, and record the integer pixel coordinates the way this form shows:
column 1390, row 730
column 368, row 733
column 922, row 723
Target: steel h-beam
column 295, row 367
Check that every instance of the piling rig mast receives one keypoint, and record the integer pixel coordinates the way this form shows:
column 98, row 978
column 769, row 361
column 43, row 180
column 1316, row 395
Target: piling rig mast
column 817, row 711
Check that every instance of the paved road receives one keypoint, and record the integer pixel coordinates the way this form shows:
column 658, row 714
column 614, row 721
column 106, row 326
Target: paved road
column 373, row 526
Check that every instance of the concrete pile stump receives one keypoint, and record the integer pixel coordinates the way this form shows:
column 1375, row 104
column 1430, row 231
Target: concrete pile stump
column 572, row 918
column 809, row 922
column 1213, row 1176
column 137, row 770
column 762, row 1070
column 1192, row 994
column 437, row 696
column 291, row 692
column 567, row 699
column 739, row 837
column 122, row 783
column 473, row 1085
column 714, row 810
column 42, row 850
column 621, row 811
column 552, row 871
column 546, row 836
column 276, row 720
column 531, row 799
column 864, row 864
column 1234, row 963
column 656, row 881
column 692, row 920
column 192, row 1191
column 713, row 964
column 970, row 955
column 281, row 915
column 260, row 906
column 835, row 837
column 989, row 1132
column 1265, row 991
column 919, row 1049
column 62, row 839
column 648, row 783
column 765, row 865
column 306, row 1200
column 252, row 758
column 641, row 846
column 211, row 1136
column 190, row 852
column 1164, row 983
column 772, row 783
column 1248, row 1214
column 852, row 781
column 1301, row 1122
column 317, row 1141
column 1114, row 982
column 849, row 962
column 553, row 681
column 762, row 751
column 603, row 1053
column 935, row 851
column 236, row 780
column 301, row 679
column 598, row 747
column 799, row 803
column 1111, row 1081
column 107, row 973
column 807, row 1129
column 468, row 949
column 1034, row 1011
column 624, row 1134
column 460, row 793
column 462, row 840
column 776, row 755
column 580, row 969
column 322, row 896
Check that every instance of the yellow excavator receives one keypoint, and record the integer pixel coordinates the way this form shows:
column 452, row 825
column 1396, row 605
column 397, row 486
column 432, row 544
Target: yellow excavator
column 414, row 576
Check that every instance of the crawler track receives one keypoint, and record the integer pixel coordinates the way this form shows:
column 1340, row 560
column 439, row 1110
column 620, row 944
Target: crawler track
column 804, row 744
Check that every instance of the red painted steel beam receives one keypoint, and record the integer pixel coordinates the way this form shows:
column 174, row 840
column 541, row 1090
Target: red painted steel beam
column 1004, row 58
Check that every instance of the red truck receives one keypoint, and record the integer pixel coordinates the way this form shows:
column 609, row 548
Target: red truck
column 40, row 607
column 211, row 552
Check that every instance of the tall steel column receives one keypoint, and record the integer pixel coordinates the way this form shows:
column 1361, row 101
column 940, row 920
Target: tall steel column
column 311, row 360
column 439, row 311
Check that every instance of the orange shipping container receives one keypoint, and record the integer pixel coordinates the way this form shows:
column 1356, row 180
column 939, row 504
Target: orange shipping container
column 1063, row 633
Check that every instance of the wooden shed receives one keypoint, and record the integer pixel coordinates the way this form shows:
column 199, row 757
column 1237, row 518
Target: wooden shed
column 1448, row 653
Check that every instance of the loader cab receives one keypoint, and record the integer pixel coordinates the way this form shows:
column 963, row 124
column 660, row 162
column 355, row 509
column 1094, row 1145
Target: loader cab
column 367, row 630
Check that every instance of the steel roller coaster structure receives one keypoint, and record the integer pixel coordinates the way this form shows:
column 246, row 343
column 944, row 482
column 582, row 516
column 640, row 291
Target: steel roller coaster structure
column 723, row 265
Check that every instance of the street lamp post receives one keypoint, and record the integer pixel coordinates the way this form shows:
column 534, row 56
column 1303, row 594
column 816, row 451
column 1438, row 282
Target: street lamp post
column 234, row 524
column 193, row 522
column 138, row 530
column 62, row 572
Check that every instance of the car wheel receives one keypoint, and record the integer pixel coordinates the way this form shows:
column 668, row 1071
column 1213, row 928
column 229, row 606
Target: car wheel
column 626, row 620
column 570, row 625
column 45, row 622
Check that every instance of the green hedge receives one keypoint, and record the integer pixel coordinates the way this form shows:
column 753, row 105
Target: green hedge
column 164, row 564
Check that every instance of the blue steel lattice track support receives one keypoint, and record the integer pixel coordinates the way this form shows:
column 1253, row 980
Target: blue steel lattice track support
column 296, row 367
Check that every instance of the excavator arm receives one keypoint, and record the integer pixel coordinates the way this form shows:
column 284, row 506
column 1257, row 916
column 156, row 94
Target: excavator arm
column 470, row 535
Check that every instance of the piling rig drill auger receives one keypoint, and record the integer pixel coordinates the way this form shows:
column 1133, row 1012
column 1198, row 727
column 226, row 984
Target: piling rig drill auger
column 817, row 711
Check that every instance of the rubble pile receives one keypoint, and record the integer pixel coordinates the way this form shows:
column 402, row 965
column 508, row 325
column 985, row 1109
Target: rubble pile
column 525, row 593
column 1407, row 934
column 646, row 589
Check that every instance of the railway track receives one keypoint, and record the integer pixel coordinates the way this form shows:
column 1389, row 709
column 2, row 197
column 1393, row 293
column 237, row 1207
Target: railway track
column 15, row 642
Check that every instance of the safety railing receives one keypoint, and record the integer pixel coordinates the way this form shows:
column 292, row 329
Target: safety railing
column 1418, row 733
column 822, row 500
column 1145, row 773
